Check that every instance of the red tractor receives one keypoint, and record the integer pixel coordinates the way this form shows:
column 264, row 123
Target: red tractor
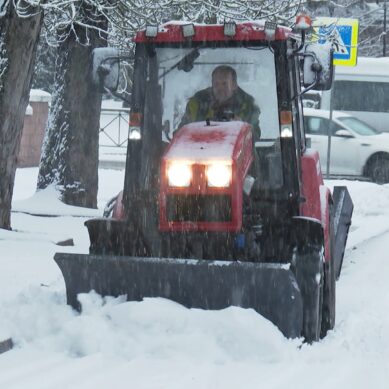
column 213, row 213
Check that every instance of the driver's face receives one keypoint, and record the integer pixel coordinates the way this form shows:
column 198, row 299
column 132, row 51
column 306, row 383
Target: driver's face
column 223, row 86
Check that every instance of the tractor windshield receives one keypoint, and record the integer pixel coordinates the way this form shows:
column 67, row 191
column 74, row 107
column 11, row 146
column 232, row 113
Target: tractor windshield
column 217, row 83
column 194, row 85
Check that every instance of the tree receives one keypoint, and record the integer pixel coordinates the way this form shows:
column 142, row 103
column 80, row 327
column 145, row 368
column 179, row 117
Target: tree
column 18, row 43
column 371, row 30
column 70, row 151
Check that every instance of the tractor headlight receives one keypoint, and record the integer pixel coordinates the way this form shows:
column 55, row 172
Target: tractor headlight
column 179, row 174
column 219, row 175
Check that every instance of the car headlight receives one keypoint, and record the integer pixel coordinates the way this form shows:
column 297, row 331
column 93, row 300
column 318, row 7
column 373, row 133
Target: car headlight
column 179, row 174
column 219, row 175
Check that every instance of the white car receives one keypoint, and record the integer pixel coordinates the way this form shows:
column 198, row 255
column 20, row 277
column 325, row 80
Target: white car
column 357, row 149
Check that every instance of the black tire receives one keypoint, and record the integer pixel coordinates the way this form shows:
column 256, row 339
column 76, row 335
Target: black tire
column 329, row 288
column 378, row 169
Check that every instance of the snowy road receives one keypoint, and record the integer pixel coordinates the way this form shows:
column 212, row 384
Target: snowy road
column 160, row 344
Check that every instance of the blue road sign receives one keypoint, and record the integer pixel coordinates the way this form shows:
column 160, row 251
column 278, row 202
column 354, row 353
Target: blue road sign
column 343, row 34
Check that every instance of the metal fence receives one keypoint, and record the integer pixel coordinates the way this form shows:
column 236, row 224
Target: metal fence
column 114, row 127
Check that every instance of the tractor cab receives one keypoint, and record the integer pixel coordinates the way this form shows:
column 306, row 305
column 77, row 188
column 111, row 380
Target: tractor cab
column 189, row 136
column 188, row 93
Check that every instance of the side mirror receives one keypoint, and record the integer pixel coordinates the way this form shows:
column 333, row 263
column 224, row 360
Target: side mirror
column 186, row 64
column 106, row 63
column 343, row 134
column 318, row 66
column 308, row 103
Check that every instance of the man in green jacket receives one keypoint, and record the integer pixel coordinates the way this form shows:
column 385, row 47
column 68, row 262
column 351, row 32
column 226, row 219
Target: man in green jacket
column 223, row 101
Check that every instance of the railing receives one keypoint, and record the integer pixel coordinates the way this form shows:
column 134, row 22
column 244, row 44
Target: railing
column 114, row 127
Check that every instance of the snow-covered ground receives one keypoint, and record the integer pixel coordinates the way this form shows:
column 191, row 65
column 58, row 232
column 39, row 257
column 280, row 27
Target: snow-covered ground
column 160, row 344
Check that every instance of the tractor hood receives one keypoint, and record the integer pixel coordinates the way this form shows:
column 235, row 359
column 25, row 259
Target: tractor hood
column 202, row 175
column 199, row 142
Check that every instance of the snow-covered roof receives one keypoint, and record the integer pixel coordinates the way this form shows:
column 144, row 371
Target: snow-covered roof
column 37, row 95
column 366, row 66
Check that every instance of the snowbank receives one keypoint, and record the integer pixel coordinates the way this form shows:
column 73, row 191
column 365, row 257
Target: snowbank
column 160, row 344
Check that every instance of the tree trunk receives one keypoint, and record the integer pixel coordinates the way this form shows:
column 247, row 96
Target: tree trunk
column 18, row 43
column 70, row 151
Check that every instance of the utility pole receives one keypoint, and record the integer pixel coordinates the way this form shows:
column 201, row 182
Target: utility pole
column 384, row 37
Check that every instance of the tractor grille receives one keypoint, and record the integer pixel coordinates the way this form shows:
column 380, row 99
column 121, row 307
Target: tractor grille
column 194, row 208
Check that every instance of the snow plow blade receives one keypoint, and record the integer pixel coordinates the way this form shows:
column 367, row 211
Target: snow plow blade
column 269, row 289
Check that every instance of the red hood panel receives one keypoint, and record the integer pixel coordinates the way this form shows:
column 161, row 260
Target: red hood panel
column 198, row 142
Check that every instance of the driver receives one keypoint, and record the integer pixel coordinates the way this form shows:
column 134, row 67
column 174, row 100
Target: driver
column 224, row 100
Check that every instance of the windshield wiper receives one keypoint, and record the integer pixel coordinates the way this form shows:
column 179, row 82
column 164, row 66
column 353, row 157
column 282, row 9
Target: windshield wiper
column 185, row 63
